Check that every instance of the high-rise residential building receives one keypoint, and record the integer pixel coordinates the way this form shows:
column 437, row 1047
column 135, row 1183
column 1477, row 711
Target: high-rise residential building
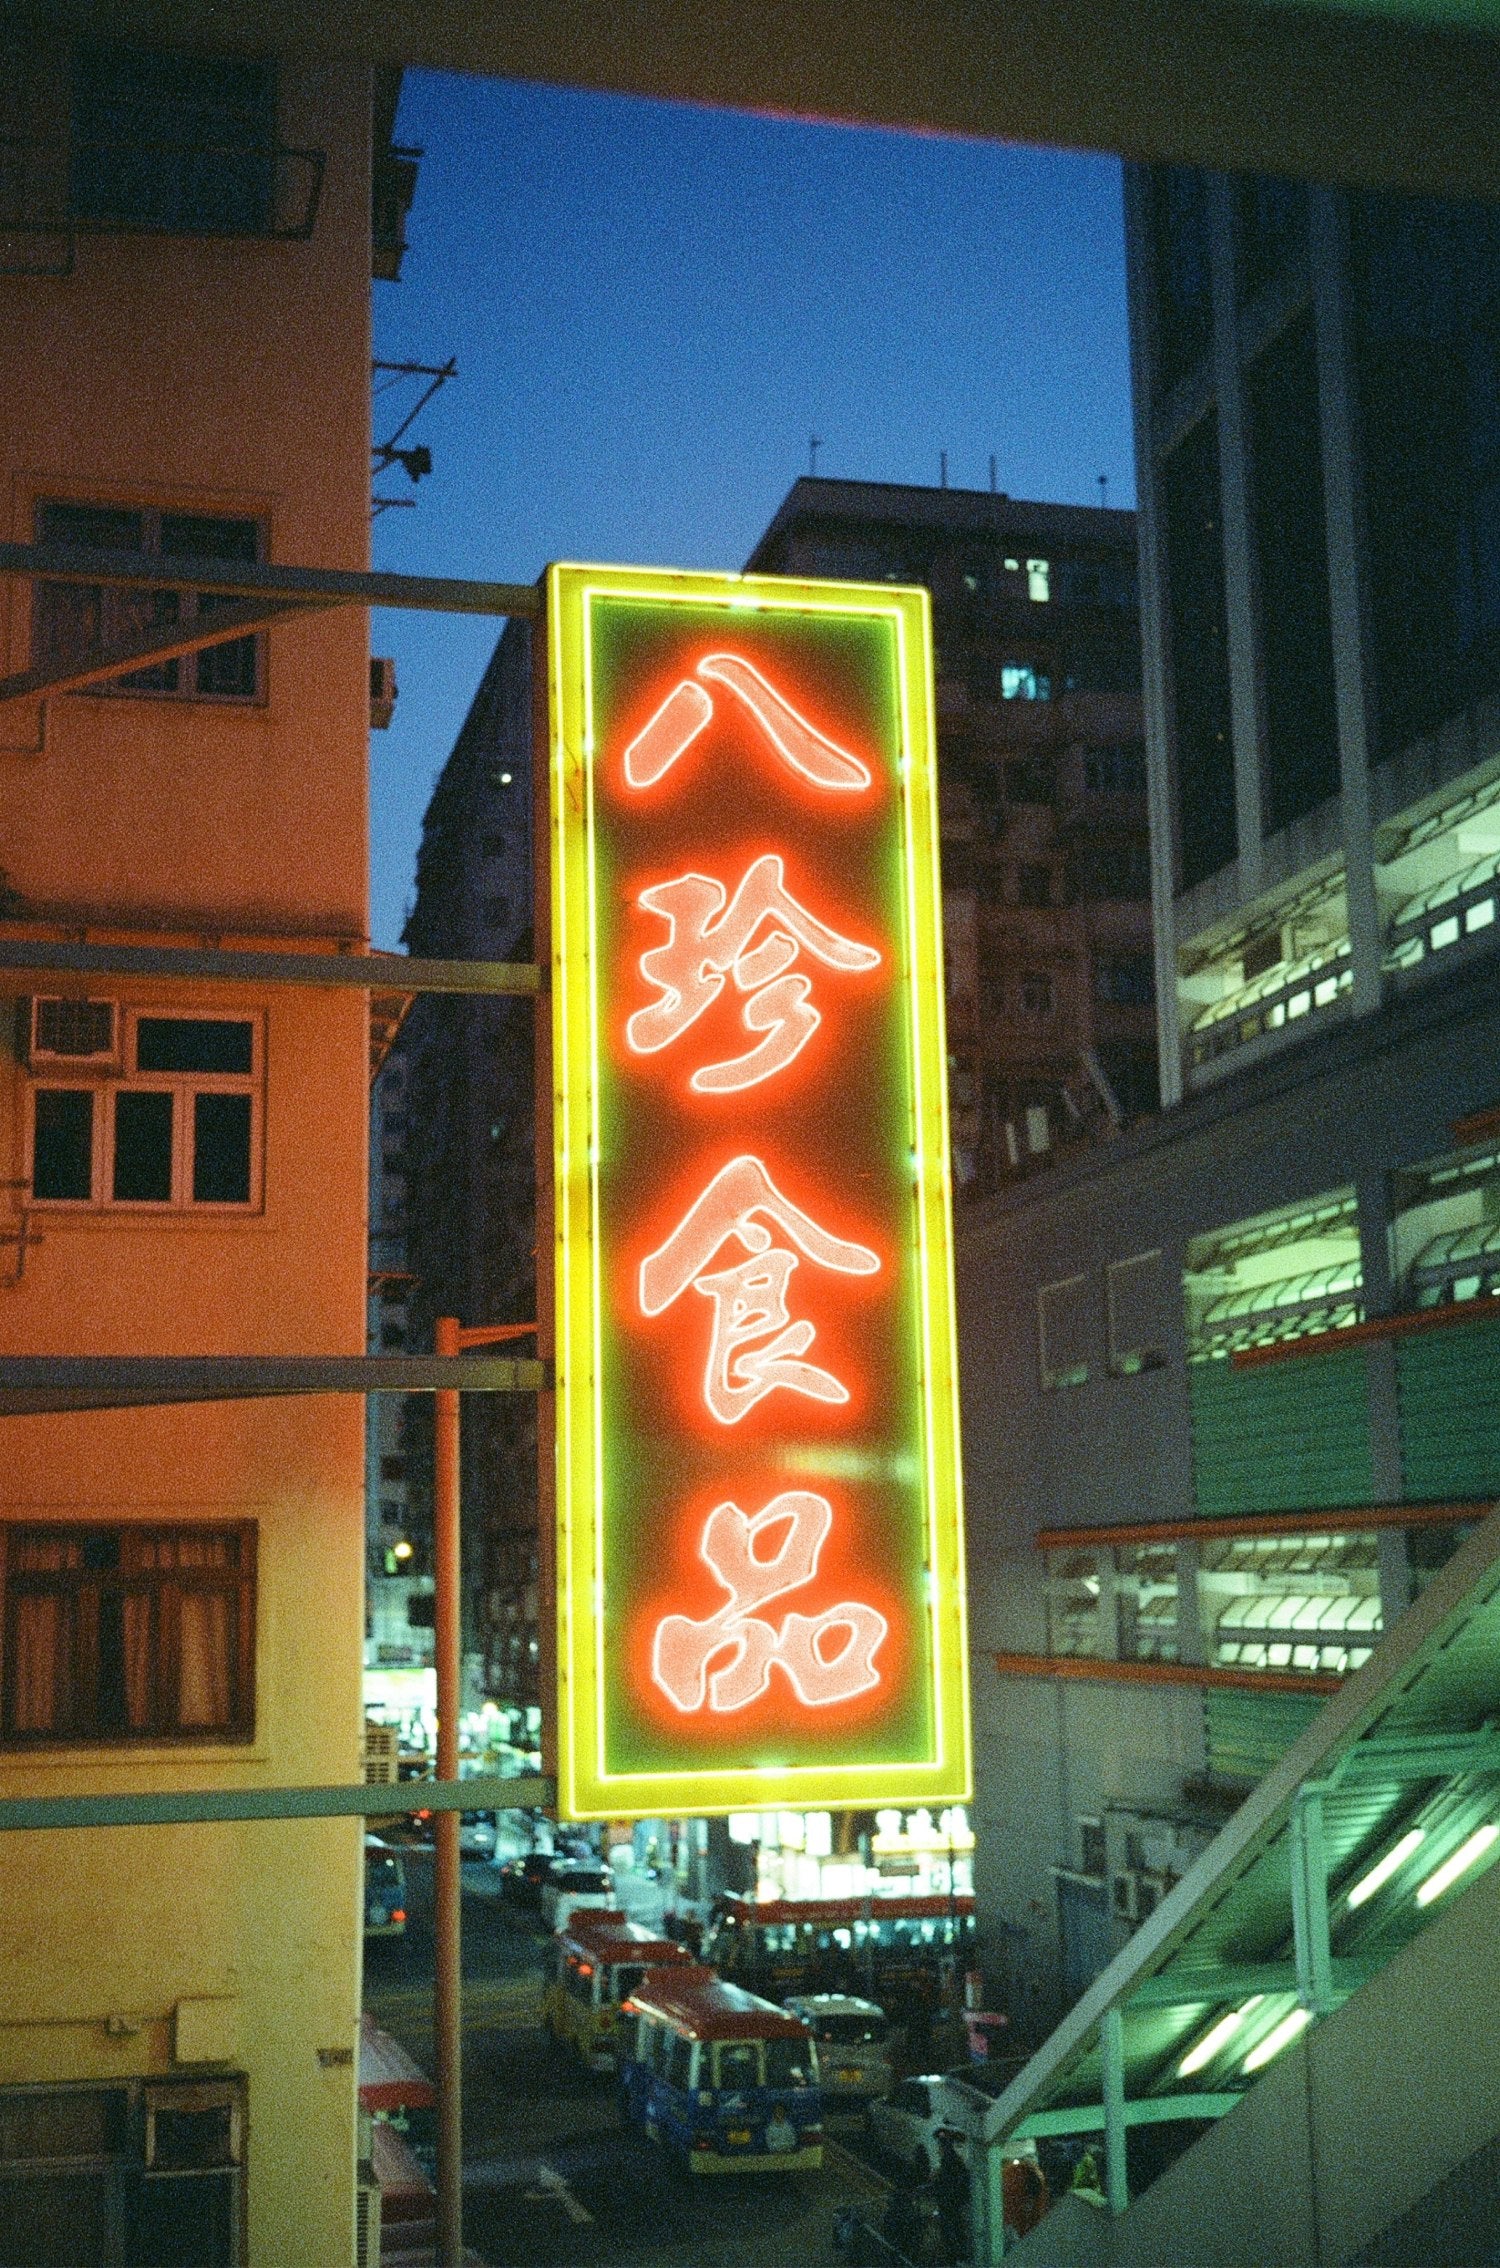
column 1043, row 775
column 467, row 1069
column 188, row 247
column 1228, row 1382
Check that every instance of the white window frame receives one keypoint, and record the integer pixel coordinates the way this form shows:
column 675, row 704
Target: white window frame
column 106, row 1085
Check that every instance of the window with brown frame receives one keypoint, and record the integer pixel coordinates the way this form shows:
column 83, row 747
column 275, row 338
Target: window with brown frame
column 127, row 1633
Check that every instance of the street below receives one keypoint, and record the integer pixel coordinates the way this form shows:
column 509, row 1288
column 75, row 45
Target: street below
column 552, row 2179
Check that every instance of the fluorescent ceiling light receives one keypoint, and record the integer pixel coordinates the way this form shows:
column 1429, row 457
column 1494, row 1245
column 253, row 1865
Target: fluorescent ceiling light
column 1383, row 1869
column 1279, row 2037
column 1211, row 2042
column 1460, row 1862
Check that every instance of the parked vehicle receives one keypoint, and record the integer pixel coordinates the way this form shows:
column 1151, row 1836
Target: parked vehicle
column 906, row 2124
column 724, row 2080
column 476, row 1834
column 601, row 1959
column 385, row 1889
column 851, row 2035
column 883, row 1946
column 570, row 1883
column 522, row 1878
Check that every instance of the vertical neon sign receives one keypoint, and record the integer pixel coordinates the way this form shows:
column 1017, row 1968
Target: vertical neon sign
column 759, row 1529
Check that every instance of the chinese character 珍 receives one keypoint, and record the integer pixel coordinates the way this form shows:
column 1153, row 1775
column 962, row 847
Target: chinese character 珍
column 819, row 1673
column 688, row 708
column 708, row 940
column 749, row 1296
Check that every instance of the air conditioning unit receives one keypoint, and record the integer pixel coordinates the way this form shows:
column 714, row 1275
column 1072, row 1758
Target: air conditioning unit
column 382, row 691
column 79, row 1033
column 367, row 2223
column 194, row 2128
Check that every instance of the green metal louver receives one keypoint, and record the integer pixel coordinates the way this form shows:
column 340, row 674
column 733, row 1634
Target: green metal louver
column 1449, row 1384
column 1246, row 1733
column 1292, row 1437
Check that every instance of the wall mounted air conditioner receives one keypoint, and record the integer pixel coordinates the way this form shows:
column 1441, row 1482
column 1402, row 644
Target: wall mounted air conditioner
column 81, row 1034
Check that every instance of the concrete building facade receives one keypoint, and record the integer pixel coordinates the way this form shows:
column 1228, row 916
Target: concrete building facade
column 186, row 308
column 1228, row 1385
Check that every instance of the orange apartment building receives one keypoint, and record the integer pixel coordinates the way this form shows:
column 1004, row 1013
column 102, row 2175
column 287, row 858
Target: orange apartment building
column 185, row 304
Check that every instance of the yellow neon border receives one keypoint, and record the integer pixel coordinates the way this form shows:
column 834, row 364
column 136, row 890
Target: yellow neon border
column 585, row 1789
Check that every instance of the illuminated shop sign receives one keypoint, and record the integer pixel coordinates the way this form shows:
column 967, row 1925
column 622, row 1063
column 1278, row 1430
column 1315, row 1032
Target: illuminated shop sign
column 760, row 1576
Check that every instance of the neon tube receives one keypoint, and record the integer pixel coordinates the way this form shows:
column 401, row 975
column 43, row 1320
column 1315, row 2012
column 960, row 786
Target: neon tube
column 1460, row 1862
column 1381, row 1872
column 1219, row 2036
column 1281, row 2035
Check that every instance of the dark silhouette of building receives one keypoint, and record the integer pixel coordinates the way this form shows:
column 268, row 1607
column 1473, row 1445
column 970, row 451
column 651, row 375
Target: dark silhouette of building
column 1046, row 880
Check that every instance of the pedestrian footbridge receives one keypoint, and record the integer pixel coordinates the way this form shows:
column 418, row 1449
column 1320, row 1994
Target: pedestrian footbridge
column 1294, row 2063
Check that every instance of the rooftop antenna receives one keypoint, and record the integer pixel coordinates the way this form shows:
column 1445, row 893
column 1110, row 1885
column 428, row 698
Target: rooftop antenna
column 1104, row 492
column 814, row 444
column 994, row 476
column 943, row 464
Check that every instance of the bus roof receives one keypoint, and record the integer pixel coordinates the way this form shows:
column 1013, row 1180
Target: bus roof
column 611, row 1936
column 701, row 2004
column 933, row 1906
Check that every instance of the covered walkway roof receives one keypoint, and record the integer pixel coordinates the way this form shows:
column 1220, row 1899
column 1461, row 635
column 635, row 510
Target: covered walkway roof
column 1397, row 92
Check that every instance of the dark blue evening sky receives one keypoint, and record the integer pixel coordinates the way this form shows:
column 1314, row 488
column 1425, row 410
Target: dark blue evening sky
column 653, row 307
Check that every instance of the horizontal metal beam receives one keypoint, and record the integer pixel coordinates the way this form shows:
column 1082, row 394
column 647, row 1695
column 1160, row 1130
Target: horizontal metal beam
column 159, row 1807
column 1207, row 1987
column 42, row 1385
column 1087, row 1669
column 1254, row 1524
column 1426, row 1756
column 367, row 972
column 1150, row 2110
column 261, row 579
column 240, row 618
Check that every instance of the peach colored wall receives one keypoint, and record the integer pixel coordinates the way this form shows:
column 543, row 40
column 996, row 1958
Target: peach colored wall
column 225, row 377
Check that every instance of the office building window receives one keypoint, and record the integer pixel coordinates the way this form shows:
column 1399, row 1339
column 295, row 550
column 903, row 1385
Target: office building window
column 1270, row 229
column 170, row 141
column 1291, row 561
column 119, row 1633
column 1203, row 748
column 178, row 1129
column 1425, row 289
column 1182, row 276
column 1065, row 1329
column 70, row 621
column 1023, row 681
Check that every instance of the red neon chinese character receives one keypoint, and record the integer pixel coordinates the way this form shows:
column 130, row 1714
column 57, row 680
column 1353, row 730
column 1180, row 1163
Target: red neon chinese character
column 682, row 1649
column 749, row 1298
column 707, row 940
column 688, row 708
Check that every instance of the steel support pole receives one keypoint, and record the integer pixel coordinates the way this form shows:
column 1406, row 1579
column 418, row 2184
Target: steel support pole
column 1112, row 2057
column 447, row 1924
column 1311, row 1946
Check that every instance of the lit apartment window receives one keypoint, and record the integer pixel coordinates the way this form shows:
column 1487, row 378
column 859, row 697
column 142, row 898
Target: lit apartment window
column 177, row 1128
column 70, row 621
column 119, row 1633
column 1022, row 681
